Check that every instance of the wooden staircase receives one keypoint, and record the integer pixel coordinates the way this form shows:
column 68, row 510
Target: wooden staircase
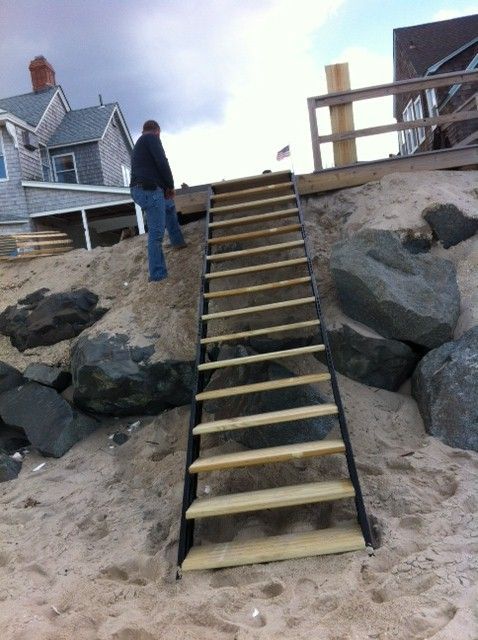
column 261, row 200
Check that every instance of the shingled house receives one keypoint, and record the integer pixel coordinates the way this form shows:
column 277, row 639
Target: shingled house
column 63, row 168
column 434, row 48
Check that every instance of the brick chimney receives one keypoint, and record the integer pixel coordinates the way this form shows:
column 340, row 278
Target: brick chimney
column 42, row 73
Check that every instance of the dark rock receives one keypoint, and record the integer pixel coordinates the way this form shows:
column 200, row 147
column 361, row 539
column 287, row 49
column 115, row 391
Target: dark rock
column 49, row 376
column 445, row 386
column 111, row 376
column 9, row 377
column 267, row 436
column 32, row 299
column 120, row 438
column 12, row 440
column 9, row 468
column 382, row 285
column 48, row 421
column 265, row 345
column 450, row 225
column 54, row 318
column 368, row 358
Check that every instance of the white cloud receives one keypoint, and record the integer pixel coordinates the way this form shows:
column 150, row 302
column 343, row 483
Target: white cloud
column 448, row 14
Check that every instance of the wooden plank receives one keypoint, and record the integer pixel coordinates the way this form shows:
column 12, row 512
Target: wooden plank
column 268, row 418
column 401, row 126
column 258, row 308
column 226, row 293
column 341, row 116
column 314, row 134
column 251, row 193
column 253, row 204
column 249, row 182
column 291, row 496
column 269, row 385
column 260, row 332
column 232, row 255
column 42, row 243
column 256, row 268
column 251, row 235
column 274, row 548
column 261, row 357
column 394, row 88
column 260, row 217
column 43, row 252
column 363, row 172
column 269, row 455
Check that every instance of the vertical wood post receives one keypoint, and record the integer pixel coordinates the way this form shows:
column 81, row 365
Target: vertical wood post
column 314, row 134
column 139, row 219
column 86, row 230
column 341, row 116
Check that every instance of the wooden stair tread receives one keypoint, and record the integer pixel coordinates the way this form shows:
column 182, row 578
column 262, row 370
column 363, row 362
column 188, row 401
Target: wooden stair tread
column 261, row 357
column 260, row 332
column 251, row 235
column 258, row 308
column 231, row 255
column 269, row 385
column 248, row 182
column 225, row 293
column 290, row 496
column 267, row 455
column 284, row 547
column 251, row 192
column 253, row 204
column 256, row 268
column 254, row 219
column 267, row 418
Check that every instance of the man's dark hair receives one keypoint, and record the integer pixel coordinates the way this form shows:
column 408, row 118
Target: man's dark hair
column 150, row 125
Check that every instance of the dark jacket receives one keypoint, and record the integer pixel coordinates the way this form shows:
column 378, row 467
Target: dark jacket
column 149, row 164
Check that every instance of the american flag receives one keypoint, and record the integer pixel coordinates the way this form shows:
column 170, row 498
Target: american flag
column 283, row 153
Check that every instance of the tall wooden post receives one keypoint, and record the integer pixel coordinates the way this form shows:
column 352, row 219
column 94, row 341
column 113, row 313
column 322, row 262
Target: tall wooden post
column 314, row 134
column 341, row 116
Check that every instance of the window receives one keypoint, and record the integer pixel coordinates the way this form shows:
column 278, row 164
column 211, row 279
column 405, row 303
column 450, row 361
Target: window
column 417, row 104
column 410, row 139
column 126, row 171
column 45, row 164
column 65, row 168
column 432, row 104
column 3, row 161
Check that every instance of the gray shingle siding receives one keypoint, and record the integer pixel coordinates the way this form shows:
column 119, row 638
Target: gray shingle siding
column 114, row 151
column 13, row 204
column 51, row 120
column 29, row 160
column 88, row 161
column 29, row 106
column 41, row 199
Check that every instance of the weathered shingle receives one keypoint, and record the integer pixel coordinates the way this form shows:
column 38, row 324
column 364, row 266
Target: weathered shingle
column 29, row 106
column 427, row 44
column 82, row 125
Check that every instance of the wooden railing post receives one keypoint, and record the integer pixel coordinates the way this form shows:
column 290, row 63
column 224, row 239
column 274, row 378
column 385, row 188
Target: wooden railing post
column 341, row 116
column 314, row 134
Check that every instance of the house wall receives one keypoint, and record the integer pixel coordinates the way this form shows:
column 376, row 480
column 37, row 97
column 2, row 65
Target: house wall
column 114, row 151
column 41, row 199
column 30, row 160
column 13, row 204
column 51, row 119
column 88, row 161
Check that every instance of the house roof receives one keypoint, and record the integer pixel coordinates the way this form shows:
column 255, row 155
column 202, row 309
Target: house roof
column 82, row 125
column 429, row 43
column 29, row 106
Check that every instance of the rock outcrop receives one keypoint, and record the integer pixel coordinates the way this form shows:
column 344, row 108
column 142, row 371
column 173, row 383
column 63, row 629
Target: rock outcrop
column 112, row 376
column 450, row 225
column 48, row 421
column 9, row 377
column 46, row 320
column 406, row 297
column 53, row 377
column 445, row 386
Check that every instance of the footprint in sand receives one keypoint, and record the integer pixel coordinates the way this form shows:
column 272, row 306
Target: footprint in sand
column 393, row 589
column 236, row 578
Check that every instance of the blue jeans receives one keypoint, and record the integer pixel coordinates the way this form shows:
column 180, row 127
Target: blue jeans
column 160, row 214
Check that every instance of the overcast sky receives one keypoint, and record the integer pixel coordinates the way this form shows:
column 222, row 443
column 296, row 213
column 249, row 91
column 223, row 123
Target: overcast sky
column 227, row 79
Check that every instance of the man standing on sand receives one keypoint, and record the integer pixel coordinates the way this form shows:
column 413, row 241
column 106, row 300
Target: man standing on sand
column 152, row 188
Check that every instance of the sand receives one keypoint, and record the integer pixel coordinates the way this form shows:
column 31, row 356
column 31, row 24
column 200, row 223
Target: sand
column 88, row 543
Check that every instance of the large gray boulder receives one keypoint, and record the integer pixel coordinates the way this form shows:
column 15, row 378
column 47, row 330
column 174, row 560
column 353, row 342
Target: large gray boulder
column 9, row 377
column 411, row 298
column 449, row 224
column 53, row 377
column 112, row 376
column 47, row 420
column 241, row 405
column 46, row 320
column 445, row 386
column 365, row 356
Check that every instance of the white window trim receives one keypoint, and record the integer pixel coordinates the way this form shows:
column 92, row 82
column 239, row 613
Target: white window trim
column 3, row 154
column 126, row 171
column 62, row 155
column 418, row 110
